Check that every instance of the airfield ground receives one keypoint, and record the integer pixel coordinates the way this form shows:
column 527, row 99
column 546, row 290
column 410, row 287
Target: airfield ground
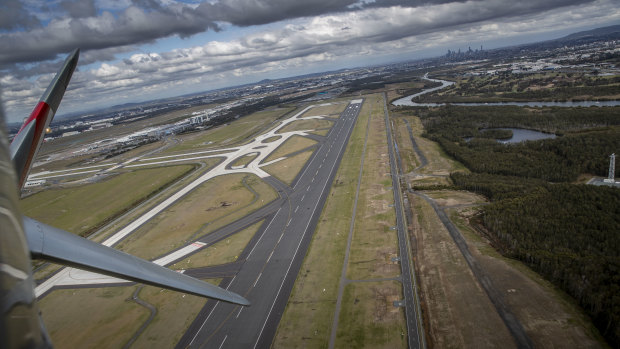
column 457, row 311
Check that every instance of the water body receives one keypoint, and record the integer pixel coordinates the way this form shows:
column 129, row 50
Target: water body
column 522, row 135
column 406, row 101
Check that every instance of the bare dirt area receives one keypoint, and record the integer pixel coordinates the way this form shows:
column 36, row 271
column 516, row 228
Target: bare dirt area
column 550, row 317
column 457, row 311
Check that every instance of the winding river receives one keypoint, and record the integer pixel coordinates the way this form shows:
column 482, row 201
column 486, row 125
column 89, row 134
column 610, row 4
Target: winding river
column 407, row 101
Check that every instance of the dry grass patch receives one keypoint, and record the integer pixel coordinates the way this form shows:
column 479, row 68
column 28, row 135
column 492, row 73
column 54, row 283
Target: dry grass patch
column 286, row 170
column 454, row 197
column 92, row 317
column 225, row 251
column 175, row 312
column 332, row 110
column 291, row 145
column 458, row 313
column 244, row 160
column 82, row 209
column 215, row 203
column 439, row 163
column 303, row 125
column 374, row 242
column 368, row 318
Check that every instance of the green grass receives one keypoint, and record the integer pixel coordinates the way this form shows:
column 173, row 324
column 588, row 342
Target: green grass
column 225, row 251
column 82, row 209
column 286, row 170
column 215, row 203
column 91, row 317
column 291, row 145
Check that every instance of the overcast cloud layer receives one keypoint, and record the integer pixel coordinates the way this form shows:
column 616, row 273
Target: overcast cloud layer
column 298, row 34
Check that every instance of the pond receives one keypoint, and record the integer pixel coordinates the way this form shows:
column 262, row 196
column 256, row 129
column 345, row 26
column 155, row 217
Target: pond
column 520, row 135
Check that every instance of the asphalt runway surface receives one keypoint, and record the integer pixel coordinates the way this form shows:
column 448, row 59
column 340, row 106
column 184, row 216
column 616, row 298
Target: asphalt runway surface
column 268, row 268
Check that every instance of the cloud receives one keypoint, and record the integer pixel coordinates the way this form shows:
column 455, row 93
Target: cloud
column 148, row 20
column 345, row 36
column 79, row 8
column 13, row 15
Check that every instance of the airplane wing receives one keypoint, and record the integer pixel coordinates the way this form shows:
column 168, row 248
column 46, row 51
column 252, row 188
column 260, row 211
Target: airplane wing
column 56, row 245
column 26, row 144
column 59, row 246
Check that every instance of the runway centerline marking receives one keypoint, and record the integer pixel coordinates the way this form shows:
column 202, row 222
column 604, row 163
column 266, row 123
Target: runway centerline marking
column 255, row 282
column 221, row 345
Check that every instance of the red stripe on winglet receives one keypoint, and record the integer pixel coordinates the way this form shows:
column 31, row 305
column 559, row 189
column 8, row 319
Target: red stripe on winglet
column 39, row 113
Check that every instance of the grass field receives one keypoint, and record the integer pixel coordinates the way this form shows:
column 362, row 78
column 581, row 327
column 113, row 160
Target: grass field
column 82, row 209
column 225, row 251
column 332, row 110
column 175, row 312
column 92, row 317
column 286, row 170
column 291, row 145
column 244, row 160
column 215, row 203
column 303, row 125
column 374, row 242
column 368, row 318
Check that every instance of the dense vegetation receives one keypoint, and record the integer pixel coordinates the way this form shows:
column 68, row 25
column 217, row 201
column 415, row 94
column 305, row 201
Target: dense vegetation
column 568, row 233
column 557, row 160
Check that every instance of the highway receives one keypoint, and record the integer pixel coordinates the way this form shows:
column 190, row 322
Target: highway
column 415, row 332
column 269, row 270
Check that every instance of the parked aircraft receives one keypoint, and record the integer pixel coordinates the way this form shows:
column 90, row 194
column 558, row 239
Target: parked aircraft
column 23, row 238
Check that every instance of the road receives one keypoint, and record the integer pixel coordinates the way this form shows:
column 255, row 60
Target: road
column 415, row 332
column 270, row 268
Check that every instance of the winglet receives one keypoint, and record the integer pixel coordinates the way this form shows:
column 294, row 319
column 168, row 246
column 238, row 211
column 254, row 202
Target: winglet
column 57, row 245
column 29, row 138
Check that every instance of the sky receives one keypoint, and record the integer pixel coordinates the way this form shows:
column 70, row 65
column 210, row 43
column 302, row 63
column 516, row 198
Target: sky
column 139, row 50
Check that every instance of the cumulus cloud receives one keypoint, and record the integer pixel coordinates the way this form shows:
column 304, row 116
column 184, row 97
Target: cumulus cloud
column 13, row 15
column 355, row 30
column 79, row 8
column 148, row 20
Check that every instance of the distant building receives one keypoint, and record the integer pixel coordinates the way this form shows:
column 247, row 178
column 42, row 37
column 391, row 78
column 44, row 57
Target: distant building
column 196, row 120
column 30, row 184
column 70, row 133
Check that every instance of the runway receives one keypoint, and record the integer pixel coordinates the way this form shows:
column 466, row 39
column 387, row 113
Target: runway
column 269, row 271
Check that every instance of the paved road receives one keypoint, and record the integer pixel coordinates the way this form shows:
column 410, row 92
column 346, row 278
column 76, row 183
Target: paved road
column 415, row 332
column 269, row 271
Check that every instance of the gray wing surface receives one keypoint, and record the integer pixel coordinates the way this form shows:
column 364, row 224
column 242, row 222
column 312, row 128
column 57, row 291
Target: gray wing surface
column 56, row 245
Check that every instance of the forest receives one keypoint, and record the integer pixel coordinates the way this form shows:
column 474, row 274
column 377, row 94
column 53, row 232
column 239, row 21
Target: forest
column 569, row 233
